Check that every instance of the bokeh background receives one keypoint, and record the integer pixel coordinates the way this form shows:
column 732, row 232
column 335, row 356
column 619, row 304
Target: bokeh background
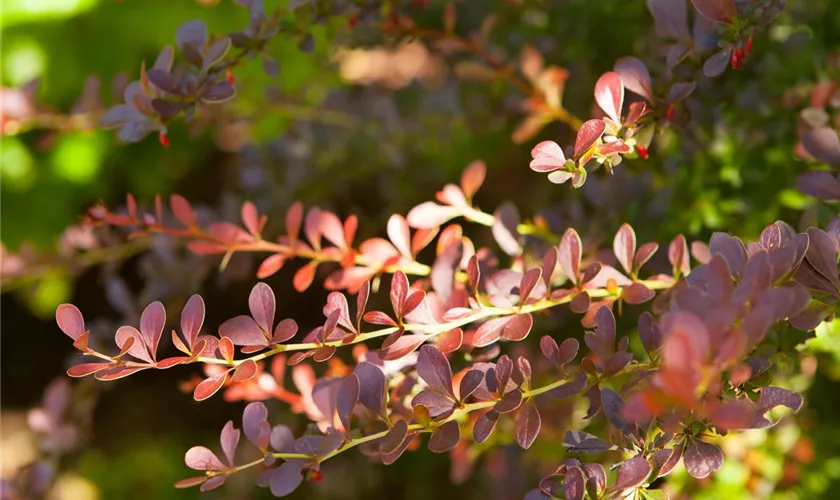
column 361, row 127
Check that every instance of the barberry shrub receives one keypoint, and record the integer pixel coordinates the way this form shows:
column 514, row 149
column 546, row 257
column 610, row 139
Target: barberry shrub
column 436, row 328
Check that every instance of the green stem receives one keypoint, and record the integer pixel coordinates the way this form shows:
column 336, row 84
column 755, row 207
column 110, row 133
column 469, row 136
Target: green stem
column 436, row 328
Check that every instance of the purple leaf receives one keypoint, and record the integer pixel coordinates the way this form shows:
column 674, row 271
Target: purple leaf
column 701, row 459
column 502, row 372
column 504, row 229
column 529, row 281
column 624, row 246
column 243, row 331
column 719, row 11
column 469, row 383
column 596, row 482
column 637, row 293
column 643, row 254
column 430, row 215
column 70, row 320
column 337, row 301
column 716, row 64
column 823, row 144
column 262, row 304
column 151, row 326
column 609, row 94
column 348, row 396
column 192, row 318
column 680, row 91
column 371, row 387
column 614, row 411
column 664, row 460
column 822, row 255
column 402, row 346
column 286, row 478
column 209, row 386
column 770, row 398
column 434, row 369
column 137, row 348
column 518, row 327
column 632, row 474
column 574, row 487
column 394, row 438
column 678, row 255
column 399, row 292
column 192, row 32
column 393, row 457
column 445, row 438
column 547, row 157
column 671, row 17
column 569, row 254
column 230, row 440
column 119, row 115
column 732, row 249
column 281, row 437
column 201, row 458
column 254, row 415
column 284, row 330
column 649, row 333
column 819, row 184
column 634, row 76
column 588, row 135
column 490, row 331
column 484, row 426
column 444, row 268
column 437, row 403
column 526, row 427
column 549, row 349
column 400, row 235
column 84, row 369
column 582, row 442
column 189, row 482
column 509, row 402
column 213, row 483
column 602, row 340
column 218, row 92
column 216, row 51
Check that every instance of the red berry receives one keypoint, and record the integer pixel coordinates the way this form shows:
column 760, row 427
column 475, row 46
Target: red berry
column 229, row 76
column 735, row 58
column 643, row 152
column 748, row 46
column 317, row 476
column 669, row 113
column 163, row 139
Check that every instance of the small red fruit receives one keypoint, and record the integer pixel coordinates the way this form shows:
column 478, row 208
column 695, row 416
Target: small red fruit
column 643, row 152
column 669, row 113
column 163, row 139
column 229, row 77
column 736, row 58
column 748, row 46
column 316, row 476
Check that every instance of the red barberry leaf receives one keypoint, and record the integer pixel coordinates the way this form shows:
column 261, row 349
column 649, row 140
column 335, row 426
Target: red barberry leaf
column 445, row 437
column 473, row 177
column 70, row 320
column 271, row 265
column 609, row 94
column 434, row 369
column 304, row 276
column 209, row 386
column 526, row 427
